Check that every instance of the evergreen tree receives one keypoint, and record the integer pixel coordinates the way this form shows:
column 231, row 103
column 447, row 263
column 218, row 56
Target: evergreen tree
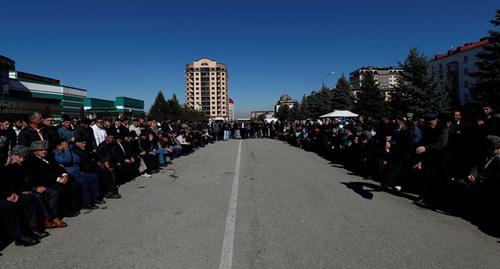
column 283, row 113
column 320, row 102
column 294, row 113
column 174, row 109
column 159, row 108
column 487, row 87
column 342, row 97
column 417, row 91
column 305, row 108
column 370, row 99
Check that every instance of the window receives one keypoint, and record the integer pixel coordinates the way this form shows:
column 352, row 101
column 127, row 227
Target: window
column 197, row 83
column 466, row 72
column 466, row 84
column 197, row 78
column 466, row 59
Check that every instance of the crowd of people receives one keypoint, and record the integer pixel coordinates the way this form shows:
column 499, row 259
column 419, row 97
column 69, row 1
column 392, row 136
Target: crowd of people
column 52, row 171
column 450, row 161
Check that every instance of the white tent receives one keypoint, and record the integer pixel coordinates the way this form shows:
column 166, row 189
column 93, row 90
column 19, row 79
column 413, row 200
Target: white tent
column 340, row 114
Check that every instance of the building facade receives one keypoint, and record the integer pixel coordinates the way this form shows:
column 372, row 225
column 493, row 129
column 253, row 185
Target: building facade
column 207, row 88
column 256, row 114
column 121, row 107
column 22, row 93
column 387, row 79
column 231, row 110
column 452, row 69
column 284, row 100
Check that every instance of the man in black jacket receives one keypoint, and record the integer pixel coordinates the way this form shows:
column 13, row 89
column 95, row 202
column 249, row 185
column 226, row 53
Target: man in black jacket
column 46, row 173
column 432, row 161
column 16, row 188
column 88, row 163
column 32, row 132
column 85, row 133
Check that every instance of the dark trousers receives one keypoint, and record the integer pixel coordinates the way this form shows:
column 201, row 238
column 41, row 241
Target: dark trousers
column 32, row 212
column 107, row 180
column 69, row 200
column 89, row 187
column 13, row 223
column 48, row 202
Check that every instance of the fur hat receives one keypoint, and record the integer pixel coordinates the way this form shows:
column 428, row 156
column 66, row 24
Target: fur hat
column 20, row 151
column 40, row 145
column 495, row 140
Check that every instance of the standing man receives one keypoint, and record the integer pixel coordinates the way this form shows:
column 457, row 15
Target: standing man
column 33, row 132
column 432, row 160
column 66, row 131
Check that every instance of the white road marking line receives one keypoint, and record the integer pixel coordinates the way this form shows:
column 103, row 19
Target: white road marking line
column 226, row 260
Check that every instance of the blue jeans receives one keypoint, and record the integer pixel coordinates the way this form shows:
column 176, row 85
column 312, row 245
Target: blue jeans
column 226, row 135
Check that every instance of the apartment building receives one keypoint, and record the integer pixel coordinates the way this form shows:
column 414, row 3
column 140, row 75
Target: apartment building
column 387, row 79
column 452, row 69
column 207, row 88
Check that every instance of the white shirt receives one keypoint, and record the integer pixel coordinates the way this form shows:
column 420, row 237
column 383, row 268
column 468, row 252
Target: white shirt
column 99, row 134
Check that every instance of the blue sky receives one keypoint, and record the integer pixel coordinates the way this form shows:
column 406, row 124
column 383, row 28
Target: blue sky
column 136, row 48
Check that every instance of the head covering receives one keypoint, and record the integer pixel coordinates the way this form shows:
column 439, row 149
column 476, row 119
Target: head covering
column 430, row 116
column 40, row 145
column 495, row 140
column 20, row 151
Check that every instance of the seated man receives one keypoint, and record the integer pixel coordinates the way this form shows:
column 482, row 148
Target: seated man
column 147, row 153
column 16, row 189
column 46, row 173
column 88, row 164
column 89, row 183
column 110, row 157
column 186, row 145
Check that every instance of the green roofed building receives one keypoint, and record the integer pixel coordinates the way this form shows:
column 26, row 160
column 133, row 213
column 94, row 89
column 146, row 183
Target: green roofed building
column 24, row 93
column 121, row 107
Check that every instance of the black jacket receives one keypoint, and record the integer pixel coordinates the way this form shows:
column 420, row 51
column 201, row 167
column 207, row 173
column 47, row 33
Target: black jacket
column 28, row 135
column 42, row 173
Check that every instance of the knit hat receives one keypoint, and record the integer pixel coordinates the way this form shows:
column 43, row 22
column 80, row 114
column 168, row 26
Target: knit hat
column 40, row 145
column 495, row 140
column 20, row 151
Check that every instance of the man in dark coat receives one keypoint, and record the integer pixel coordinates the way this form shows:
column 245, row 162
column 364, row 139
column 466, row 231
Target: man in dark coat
column 432, row 161
column 118, row 129
column 17, row 189
column 45, row 172
column 33, row 132
column 85, row 133
column 50, row 131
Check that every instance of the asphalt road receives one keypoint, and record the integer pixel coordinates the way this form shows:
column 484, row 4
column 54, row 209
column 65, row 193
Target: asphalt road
column 294, row 210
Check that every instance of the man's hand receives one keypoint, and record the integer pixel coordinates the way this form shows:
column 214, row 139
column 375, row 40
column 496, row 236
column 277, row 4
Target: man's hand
column 13, row 198
column 40, row 189
column 128, row 161
column 471, row 178
column 420, row 150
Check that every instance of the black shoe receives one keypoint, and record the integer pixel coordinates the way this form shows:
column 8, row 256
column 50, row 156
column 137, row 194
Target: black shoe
column 26, row 241
column 40, row 234
column 91, row 207
column 99, row 202
column 72, row 214
column 113, row 196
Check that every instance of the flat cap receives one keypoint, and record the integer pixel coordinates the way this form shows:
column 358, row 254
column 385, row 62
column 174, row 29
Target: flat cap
column 495, row 140
column 40, row 145
column 21, row 151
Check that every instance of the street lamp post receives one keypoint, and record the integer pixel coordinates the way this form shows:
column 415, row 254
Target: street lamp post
column 325, row 76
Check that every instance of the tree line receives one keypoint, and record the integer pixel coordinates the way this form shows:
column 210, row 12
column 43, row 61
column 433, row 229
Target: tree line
column 170, row 109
